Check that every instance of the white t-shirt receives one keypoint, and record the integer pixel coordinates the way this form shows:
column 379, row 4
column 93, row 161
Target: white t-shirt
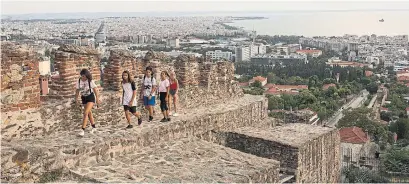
column 83, row 86
column 148, row 84
column 128, row 92
column 163, row 85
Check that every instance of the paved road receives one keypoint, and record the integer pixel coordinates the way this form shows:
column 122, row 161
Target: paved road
column 354, row 103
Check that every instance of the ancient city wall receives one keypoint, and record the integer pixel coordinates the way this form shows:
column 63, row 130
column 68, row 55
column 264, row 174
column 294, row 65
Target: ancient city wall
column 69, row 61
column 20, row 86
column 201, row 83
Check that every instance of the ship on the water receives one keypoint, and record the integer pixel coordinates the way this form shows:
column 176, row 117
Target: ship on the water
column 381, row 20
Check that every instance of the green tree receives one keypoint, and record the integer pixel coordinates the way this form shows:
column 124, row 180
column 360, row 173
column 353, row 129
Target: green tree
column 359, row 118
column 362, row 175
column 401, row 127
column 47, row 53
column 396, row 160
column 372, row 88
column 257, row 84
column 275, row 102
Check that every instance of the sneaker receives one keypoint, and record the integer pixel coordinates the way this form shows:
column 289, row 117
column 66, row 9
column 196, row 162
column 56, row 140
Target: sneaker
column 150, row 118
column 82, row 133
column 139, row 121
column 175, row 114
column 164, row 120
column 129, row 126
column 170, row 113
column 93, row 130
column 168, row 119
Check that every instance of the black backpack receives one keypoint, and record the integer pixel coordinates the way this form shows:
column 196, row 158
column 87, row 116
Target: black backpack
column 157, row 91
column 89, row 84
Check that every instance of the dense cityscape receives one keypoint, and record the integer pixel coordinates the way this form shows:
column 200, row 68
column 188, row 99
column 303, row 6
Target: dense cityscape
column 357, row 85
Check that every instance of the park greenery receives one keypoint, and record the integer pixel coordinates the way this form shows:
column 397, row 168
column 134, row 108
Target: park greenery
column 315, row 74
column 362, row 175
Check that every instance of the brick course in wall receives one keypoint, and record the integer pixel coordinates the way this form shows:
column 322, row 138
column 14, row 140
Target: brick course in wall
column 69, row 61
column 118, row 62
column 20, row 87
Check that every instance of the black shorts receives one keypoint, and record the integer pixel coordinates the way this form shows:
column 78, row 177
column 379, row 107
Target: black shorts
column 130, row 109
column 89, row 98
column 163, row 103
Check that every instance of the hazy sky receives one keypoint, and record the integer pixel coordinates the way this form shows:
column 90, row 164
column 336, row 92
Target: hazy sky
column 56, row 6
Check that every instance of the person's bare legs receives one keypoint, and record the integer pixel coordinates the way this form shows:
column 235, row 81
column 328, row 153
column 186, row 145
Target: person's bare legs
column 87, row 110
column 91, row 118
column 128, row 118
column 150, row 108
column 175, row 99
column 137, row 114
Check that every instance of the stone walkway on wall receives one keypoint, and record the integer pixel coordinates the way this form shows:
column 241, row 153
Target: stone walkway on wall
column 66, row 149
column 184, row 161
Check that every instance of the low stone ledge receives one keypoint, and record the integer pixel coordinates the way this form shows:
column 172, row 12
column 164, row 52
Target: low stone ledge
column 309, row 152
column 185, row 161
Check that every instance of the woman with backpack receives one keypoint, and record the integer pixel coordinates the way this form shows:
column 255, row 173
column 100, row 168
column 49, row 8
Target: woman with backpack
column 149, row 89
column 128, row 98
column 89, row 96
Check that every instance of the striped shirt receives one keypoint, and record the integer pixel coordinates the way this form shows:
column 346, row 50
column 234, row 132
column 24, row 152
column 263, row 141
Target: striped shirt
column 128, row 88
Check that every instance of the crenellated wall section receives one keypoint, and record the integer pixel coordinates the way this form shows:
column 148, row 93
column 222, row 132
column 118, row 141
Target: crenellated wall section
column 20, row 87
column 69, row 61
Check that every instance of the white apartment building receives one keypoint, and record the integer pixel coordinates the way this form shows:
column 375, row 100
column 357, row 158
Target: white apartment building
column 218, row 54
column 400, row 65
column 262, row 49
column 174, row 43
column 253, row 50
column 372, row 59
column 242, row 54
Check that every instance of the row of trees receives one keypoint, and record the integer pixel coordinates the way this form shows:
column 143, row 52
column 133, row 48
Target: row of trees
column 316, row 66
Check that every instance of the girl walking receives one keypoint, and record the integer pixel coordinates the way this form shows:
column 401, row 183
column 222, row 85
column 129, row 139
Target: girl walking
column 173, row 93
column 89, row 96
column 164, row 95
column 149, row 88
column 128, row 98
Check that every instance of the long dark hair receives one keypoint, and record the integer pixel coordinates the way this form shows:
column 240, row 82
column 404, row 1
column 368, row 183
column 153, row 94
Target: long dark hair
column 129, row 77
column 166, row 73
column 86, row 73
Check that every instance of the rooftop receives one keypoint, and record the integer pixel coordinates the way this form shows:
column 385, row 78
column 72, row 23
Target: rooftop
column 353, row 135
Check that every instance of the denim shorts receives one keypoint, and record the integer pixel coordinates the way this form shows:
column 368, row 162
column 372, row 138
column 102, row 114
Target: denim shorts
column 147, row 102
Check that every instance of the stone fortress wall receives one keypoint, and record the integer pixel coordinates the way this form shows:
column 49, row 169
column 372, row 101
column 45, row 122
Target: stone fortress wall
column 219, row 125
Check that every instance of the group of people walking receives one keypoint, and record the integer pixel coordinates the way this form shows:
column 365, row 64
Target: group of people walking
column 167, row 89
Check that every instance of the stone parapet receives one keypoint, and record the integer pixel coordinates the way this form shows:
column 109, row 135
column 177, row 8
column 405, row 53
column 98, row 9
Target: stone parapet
column 20, row 86
column 309, row 152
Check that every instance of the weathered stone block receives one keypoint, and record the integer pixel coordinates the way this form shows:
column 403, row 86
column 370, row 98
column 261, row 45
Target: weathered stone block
column 310, row 152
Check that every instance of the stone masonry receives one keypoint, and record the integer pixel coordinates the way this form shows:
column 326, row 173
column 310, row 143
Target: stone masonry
column 221, row 134
column 310, row 153
column 201, row 83
column 118, row 62
column 20, row 87
column 69, row 61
